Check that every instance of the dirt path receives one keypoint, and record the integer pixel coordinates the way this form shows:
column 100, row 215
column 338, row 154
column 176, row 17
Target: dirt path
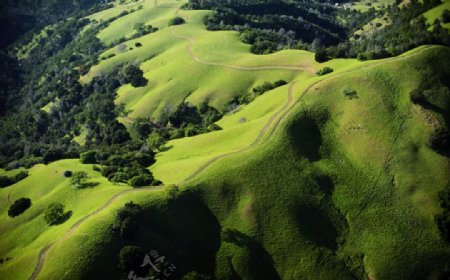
column 44, row 251
column 287, row 108
column 232, row 66
column 272, row 122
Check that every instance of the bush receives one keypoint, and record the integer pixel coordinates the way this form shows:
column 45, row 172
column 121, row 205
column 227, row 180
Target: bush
column 19, row 206
column 126, row 220
column 20, row 176
column 54, row 214
column 324, row 71
column 176, row 21
column 131, row 258
column 79, row 179
column 67, row 173
column 350, row 93
column 5, row 181
column 135, row 76
column 141, row 180
column 89, row 157
column 138, row 45
column 321, row 55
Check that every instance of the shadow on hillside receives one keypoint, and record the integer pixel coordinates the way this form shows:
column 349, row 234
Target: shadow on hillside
column 316, row 226
column 326, row 184
column 260, row 263
column 186, row 231
column 88, row 185
column 306, row 137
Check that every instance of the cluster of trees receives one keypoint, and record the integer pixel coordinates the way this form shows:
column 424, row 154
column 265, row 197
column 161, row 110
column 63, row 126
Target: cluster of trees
column 6, row 181
column 19, row 206
column 124, row 163
column 247, row 97
column 21, row 18
column 408, row 29
column 126, row 220
column 143, row 29
column 185, row 120
column 271, row 25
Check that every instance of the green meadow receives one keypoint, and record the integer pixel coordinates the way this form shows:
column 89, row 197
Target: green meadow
column 301, row 183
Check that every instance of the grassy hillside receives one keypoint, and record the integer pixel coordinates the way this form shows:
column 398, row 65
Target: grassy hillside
column 327, row 177
column 344, row 188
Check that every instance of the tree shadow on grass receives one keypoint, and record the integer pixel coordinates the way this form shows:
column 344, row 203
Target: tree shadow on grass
column 306, row 137
column 316, row 226
column 88, row 185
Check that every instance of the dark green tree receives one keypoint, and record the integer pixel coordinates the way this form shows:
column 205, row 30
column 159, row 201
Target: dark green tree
column 19, row 206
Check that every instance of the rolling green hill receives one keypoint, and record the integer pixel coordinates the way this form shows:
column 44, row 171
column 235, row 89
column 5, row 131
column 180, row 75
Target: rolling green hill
column 326, row 177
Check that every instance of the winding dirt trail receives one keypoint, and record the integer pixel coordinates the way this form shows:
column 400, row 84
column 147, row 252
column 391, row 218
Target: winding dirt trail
column 284, row 111
column 44, row 251
column 267, row 130
column 232, row 66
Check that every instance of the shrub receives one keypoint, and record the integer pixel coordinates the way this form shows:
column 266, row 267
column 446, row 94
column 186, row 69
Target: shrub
column 135, row 76
column 138, row 45
column 89, row 157
column 126, row 220
column 130, row 258
column 321, row 55
column 176, row 21
column 141, row 180
column 156, row 183
column 324, row 71
column 19, row 206
column 20, row 176
column 54, row 214
column 79, row 179
column 67, row 173
column 5, row 181
column 350, row 93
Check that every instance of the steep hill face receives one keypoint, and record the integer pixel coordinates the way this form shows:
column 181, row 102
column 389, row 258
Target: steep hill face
column 160, row 136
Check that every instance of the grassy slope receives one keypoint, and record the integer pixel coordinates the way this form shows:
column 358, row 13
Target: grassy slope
column 24, row 236
column 356, row 171
column 290, row 198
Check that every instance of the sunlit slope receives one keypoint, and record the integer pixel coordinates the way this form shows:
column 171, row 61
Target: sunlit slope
column 346, row 188
column 188, row 63
column 24, row 236
column 341, row 189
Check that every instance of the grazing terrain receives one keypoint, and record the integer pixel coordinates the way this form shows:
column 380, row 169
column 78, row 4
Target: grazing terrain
column 242, row 159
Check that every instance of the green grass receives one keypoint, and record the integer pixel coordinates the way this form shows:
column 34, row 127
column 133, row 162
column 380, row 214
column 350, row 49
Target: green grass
column 23, row 236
